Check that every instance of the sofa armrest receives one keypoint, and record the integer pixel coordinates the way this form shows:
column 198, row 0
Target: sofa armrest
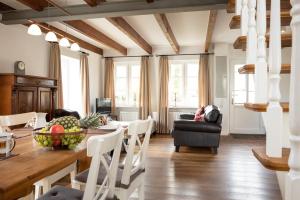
column 219, row 121
column 187, row 116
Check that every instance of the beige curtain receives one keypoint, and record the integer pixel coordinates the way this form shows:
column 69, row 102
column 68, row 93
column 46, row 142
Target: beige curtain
column 163, row 109
column 145, row 89
column 85, row 83
column 109, row 85
column 204, row 81
column 55, row 71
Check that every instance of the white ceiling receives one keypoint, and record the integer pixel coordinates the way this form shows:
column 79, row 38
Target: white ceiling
column 189, row 28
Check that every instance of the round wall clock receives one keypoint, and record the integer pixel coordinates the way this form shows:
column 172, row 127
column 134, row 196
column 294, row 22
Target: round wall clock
column 20, row 68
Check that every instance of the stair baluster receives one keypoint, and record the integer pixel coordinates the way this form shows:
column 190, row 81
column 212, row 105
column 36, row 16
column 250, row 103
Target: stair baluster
column 244, row 18
column 252, row 33
column 261, row 67
column 293, row 178
column 274, row 115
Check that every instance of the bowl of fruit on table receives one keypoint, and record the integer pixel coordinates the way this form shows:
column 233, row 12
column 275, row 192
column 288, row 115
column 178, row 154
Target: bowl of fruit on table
column 66, row 132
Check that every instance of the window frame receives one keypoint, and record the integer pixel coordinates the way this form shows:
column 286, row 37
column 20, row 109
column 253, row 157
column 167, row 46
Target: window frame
column 247, row 86
column 68, row 93
column 184, row 63
column 128, row 65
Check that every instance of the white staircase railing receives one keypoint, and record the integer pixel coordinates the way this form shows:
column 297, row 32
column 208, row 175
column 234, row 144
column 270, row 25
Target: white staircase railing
column 261, row 67
column 292, row 191
column 274, row 115
column 244, row 18
column 252, row 33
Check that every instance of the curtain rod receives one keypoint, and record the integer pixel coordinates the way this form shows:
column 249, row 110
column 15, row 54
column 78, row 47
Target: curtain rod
column 157, row 55
column 185, row 54
column 127, row 56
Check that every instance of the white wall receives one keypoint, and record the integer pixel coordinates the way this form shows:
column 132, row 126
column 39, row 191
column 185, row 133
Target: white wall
column 16, row 44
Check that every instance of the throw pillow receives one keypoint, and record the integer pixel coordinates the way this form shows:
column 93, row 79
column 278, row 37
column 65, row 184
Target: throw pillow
column 211, row 113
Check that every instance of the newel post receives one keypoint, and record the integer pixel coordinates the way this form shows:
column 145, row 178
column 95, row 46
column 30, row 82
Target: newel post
column 293, row 177
column 274, row 110
column 252, row 34
column 261, row 67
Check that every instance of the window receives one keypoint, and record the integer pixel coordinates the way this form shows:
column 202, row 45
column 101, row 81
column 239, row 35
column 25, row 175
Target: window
column 183, row 84
column 127, row 84
column 243, row 88
column 72, row 97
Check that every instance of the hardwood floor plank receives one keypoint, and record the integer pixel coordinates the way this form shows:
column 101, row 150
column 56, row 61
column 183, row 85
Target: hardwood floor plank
column 194, row 173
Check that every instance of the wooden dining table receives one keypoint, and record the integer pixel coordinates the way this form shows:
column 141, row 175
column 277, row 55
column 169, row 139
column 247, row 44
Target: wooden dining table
column 32, row 163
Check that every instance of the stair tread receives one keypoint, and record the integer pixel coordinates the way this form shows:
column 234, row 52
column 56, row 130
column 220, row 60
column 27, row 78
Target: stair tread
column 286, row 18
column 260, row 107
column 285, row 5
column 241, row 42
column 250, row 69
column 278, row 164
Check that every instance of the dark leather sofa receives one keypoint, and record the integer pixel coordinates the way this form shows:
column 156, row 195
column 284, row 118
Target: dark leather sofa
column 188, row 132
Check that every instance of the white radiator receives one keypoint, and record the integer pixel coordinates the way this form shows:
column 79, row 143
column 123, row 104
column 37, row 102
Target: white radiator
column 128, row 116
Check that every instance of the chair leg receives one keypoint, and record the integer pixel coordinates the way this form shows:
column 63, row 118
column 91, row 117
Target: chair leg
column 37, row 191
column 177, row 148
column 141, row 191
column 72, row 176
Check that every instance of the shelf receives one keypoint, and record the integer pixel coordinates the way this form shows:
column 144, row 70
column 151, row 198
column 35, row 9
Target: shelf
column 249, row 69
column 241, row 42
column 263, row 107
column 286, row 18
column 277, row 164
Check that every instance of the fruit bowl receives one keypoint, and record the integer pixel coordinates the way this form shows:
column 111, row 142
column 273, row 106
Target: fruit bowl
column 68, row 139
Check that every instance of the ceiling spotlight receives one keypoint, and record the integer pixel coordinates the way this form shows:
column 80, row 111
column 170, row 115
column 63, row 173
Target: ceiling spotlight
column 34, row 29
column 75, row 47
column 64, row 42
column 51, row 37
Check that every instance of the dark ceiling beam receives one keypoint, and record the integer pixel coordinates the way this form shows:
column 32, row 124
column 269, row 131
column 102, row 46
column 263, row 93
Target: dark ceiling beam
column 5, row 8
column 96, row 35
column 34, row 4
column 123, row 26
column 167, row 30
column 112, row 9
column 91, row 2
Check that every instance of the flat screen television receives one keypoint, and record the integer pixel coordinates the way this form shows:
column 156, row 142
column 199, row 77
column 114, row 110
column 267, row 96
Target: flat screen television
column 103, row 105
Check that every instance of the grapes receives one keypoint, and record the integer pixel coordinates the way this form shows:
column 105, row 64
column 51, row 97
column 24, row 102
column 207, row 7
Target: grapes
column 68, row 140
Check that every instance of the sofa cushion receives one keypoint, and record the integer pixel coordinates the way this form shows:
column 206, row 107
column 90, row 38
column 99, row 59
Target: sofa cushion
column 211, row 113
column 194, row 126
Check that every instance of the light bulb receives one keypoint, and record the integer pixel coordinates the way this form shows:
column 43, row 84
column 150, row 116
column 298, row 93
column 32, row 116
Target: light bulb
column 75, row 47
column 51, row 37
column 64, row 42
column 34, row 29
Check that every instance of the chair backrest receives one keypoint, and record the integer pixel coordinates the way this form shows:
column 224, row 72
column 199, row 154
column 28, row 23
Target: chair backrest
column 135, row 162
column 98, row 147
column 17, row 119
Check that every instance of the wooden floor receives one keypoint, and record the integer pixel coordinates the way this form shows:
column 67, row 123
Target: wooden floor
column 196, row 174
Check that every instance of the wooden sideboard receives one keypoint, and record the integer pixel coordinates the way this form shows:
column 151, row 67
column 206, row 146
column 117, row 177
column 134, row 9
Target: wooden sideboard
column 20, row 94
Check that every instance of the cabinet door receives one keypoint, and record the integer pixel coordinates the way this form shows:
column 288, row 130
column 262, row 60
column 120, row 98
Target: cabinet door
column 25, row 100
column 45, row 101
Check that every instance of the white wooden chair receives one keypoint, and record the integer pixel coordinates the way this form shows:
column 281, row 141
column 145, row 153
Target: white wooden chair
column 97, row 148
column 7, row 121
column 131, row 173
